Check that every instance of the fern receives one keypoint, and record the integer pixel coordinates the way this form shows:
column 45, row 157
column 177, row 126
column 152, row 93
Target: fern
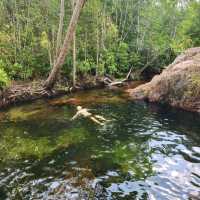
column 4, row 79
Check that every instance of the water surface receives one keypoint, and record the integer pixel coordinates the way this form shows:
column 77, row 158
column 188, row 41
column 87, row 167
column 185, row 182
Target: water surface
column 144, row 152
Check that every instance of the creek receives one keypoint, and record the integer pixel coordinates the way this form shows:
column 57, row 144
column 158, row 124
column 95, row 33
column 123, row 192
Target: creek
column 144, row 151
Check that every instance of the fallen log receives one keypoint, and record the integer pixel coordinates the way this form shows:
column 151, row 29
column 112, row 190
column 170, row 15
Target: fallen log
column 119, row 83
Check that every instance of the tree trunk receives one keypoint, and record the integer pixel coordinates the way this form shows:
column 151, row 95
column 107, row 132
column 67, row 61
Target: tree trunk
column 49, row 83
column 74, row 49
column 85, row 45
column 97, row 49
column 74, row 60
column 60, row 28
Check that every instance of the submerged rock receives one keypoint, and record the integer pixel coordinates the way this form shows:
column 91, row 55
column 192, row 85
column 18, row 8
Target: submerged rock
column 178, row 85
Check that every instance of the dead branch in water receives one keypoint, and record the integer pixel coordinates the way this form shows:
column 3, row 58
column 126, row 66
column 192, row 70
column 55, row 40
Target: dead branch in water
column 110, row 82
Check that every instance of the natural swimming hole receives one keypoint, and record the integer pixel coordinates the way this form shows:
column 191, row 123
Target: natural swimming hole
column 145, row 151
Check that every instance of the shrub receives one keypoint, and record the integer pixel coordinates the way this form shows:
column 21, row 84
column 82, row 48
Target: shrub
column 4, row 80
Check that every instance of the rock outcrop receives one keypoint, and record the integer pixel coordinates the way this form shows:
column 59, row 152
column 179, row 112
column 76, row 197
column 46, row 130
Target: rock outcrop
column 178, row 85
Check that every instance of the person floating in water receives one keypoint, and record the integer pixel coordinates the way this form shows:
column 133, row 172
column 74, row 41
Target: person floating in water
column 85, row 113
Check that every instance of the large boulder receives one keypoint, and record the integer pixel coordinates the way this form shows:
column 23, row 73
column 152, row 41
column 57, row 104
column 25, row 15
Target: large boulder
column 178, row 84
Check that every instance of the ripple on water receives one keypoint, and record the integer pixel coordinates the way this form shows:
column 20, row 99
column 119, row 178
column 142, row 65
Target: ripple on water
column 143, row 152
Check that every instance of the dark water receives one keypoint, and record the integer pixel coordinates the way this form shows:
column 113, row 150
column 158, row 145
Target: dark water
column 144, row 152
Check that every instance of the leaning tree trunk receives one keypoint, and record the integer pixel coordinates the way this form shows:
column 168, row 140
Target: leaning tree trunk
column 49, row 83
column 60, row 28
column 74, row 49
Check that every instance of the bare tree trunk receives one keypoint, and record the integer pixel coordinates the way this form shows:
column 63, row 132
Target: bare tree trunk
column 97, row 53
column 50, row 55
column 103, row 26
column 125, row 19
column 53, row 46
column 60, row 28
column 49, row 83
column 74, row 49
column 74, row 59
column 138, row 27
column 121, row 13
column 85, row 45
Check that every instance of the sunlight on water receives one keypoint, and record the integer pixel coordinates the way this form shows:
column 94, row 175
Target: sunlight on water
column 143, row 152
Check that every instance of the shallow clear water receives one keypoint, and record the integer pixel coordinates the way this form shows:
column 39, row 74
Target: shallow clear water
column 144, row 152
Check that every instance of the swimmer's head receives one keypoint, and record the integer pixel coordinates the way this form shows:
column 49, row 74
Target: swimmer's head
column 79, row 108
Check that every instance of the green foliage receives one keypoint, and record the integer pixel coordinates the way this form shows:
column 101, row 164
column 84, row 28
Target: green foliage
column 135, row 60
column 110, row 64
column 196, row 80
column 86, row 65
column 15, row 70
column 181, row 44
column 193, row 86
column 122, row 57
column 18, row 72
column 129, row 33
column 44, row 40
column 189, row 28
column 4, row 79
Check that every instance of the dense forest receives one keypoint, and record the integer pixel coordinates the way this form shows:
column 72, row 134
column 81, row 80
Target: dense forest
column 112, row 37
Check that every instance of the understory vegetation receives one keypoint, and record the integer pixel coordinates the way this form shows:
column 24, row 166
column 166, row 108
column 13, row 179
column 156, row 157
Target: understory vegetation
column 112, row 36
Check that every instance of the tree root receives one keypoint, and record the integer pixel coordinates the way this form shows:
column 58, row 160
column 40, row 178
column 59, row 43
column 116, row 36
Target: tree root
column 28, row 92
column 23, row 92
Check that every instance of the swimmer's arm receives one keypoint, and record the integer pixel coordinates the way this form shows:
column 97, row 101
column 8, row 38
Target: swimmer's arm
column 75, row 116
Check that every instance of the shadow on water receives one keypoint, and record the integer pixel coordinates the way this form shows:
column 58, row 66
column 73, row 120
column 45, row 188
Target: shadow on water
column 145, row 151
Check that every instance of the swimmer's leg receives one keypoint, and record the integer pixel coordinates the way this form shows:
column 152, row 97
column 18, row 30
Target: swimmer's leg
column 96, row 121
column 100, row 117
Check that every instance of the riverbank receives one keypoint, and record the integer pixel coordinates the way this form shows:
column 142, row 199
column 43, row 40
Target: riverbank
column 19, row 92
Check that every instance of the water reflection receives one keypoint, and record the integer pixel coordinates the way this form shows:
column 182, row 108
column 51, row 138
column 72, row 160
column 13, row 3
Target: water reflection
column 144, row 152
